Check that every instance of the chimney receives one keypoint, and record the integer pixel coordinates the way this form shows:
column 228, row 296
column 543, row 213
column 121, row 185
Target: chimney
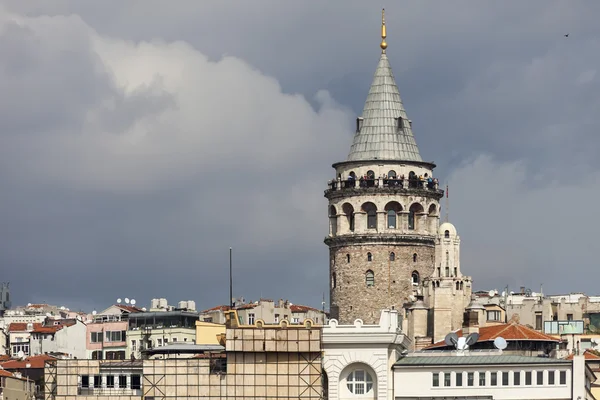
column 471, row 318
column 522, row 289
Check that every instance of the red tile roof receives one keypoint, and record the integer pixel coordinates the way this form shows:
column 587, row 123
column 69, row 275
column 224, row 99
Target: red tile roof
column 34, row 361
column 588, row 355
column 4, row 357
column 301, row 309
column 217, row 308
column 131, row 309
column 38, row 327
column 511, row 332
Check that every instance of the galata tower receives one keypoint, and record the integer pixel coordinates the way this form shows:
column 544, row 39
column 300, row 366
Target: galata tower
column 383, row 210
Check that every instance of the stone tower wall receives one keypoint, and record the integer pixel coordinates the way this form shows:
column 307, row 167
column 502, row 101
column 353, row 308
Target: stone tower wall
column 351, row 298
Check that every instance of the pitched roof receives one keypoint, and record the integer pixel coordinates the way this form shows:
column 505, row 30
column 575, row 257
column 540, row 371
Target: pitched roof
column 296, row 308
column 129, row 309
column 511, row 332
column 33, row 361
column 381, row 137
column 475, row 360
column 588, row 355
column 37, row 327
column 217, row 308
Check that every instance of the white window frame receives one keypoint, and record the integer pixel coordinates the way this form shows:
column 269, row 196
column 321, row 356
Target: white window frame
column 358, row 386
column 251, row 318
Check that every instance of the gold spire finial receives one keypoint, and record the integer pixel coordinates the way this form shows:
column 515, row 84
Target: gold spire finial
column 383, row 44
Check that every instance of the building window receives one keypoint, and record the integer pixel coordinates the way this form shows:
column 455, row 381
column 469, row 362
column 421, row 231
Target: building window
column 277, row 315
column 110, row 381
column 392, row 256
column 540, row 378
column 97, row 381
column 85, row 381
column 481, row 378
column 569, row 317
column 435, row 379
column 158, row 342
column 333, row 284
column 493, row 315
column 359, row 382
column 459, row 377
column 447, row 378
column 517, row 378
column 505, row 378
column 538, row 321
column 251, row 318
column 370, row 278
column 470, row 378
column 97, row 355
column 369, row 257
column 115, row 336
column 391, row 215
column 133, row 343
column 415, row 257
column 415, row 278
column 136, row 382
column 371, row 211
column 97, row 337
column 528, row 378
column 563, row 377
column 551, row 377
column 122, row 381
column 348, row 258
column 447, row 234
column 295, row 320
column 494, row 378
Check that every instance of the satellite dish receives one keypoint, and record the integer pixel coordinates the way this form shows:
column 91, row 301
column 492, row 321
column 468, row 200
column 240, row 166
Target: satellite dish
column 462, row 343
column 62, row 307
column 118, row 301
column 127, row 300
column 20, row 354
column 451, row 339
column 143, row 308
column 132, row 302
column 28, row 304
column 504, row 293
column 94, row 312
column 491, row 293
column 511, row 292
column 472, row 339
column 500, row 343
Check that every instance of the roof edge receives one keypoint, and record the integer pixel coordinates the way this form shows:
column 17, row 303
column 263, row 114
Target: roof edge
column 427, row 164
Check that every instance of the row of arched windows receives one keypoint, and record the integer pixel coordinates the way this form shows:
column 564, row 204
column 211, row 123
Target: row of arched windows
column 392, row 209
column 392, row 257
column 370, row 279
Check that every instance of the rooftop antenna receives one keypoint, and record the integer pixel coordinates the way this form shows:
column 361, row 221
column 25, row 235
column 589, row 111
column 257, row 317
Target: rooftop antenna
column 323, row 303
column 231, row 278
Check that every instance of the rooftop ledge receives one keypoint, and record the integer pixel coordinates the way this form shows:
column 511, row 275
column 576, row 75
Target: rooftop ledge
column 346, row 187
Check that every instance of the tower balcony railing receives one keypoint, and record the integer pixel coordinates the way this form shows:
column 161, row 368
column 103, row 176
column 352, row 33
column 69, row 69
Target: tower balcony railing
column 377, row 183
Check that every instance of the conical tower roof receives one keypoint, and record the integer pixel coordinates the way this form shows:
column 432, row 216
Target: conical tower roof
column 381, row 135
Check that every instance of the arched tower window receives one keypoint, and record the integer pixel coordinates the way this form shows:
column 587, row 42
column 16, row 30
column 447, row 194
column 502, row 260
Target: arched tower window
column 348, row 258
column 370, row 178
column 415, row 279
column 415, row 257
column 333, row 220
column 461, row 285
column 369, row 257
column 370, row 278
column 393, row 209
column 432, row 210
column 447, row 234
column 413, row 180
column 333, row 280
column 457, row 286
column 348, row 211
column 371, row 210
column 359, row 382
column 392, row 256
column 413, row 212
column 392, row 174
column 447, row 263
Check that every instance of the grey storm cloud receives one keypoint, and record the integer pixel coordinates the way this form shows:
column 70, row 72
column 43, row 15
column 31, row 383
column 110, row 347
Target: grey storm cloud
column 138, row 141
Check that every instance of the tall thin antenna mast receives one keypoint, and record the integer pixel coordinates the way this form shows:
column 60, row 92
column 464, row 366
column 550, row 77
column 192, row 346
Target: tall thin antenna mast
column 231, row 277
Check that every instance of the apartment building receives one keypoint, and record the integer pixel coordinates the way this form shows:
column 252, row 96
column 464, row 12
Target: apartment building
column 106, row 336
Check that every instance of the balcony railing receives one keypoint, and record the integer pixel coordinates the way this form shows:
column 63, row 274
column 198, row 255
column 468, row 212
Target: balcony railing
column 353, row 184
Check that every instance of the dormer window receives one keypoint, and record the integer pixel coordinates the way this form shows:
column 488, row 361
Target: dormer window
column 359, row 123
column 400, row 122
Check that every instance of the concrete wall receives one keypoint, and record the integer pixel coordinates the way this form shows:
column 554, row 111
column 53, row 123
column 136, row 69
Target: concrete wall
column 16, row 389
column 69, row 340
column 183, row 335
column 206, row 332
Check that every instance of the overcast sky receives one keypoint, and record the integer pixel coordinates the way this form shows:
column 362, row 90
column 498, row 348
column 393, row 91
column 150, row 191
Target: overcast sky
column 139, row 140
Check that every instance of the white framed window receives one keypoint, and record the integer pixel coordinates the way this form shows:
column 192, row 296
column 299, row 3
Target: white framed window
column 276, row 318
column 251, row 318
column 493, row 315
column 359, row 381
column 296, row 320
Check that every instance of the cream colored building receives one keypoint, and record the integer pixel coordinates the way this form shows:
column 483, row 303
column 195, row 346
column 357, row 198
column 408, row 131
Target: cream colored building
column 15, row 387
column 267, row 310
column 209, row 333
